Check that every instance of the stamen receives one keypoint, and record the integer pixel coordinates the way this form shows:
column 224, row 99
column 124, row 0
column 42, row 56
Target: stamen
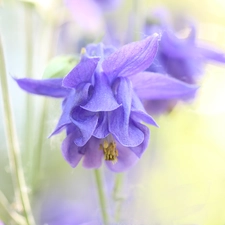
column 109, row 150
column 83, row 51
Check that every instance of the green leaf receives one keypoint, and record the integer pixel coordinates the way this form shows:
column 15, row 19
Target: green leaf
column 60, row 66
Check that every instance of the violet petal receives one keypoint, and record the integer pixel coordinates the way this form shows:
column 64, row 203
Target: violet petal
column 93, row 155
column 103, row 98
column 131, row 58
column 75, row 97
column 138, row 150
column 159, row 86
column 47, row 87
column 138, row 112
column 86, row 122
column 211, row 54
column 102, row 130
column 81, row 73
column 71, row 151
column 120, row 124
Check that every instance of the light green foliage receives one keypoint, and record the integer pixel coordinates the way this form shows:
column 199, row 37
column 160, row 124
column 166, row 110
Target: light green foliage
column 60, row 66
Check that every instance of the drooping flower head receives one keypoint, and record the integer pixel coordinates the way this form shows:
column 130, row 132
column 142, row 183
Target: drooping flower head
column 181, row 58
column 101, row 111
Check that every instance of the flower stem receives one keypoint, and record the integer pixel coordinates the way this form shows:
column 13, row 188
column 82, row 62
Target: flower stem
column 29, row 39
column 13, row 146
column 35, row 172
column 6, row 211
column 29, row 73
column 36, row 165
column 101, row 195
column 117, row 196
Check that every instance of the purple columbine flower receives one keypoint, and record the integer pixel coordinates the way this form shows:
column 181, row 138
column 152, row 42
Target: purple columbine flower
column 183, row 59
column 101, row 111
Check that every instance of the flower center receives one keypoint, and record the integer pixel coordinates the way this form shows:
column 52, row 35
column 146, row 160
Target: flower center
column 110, row 151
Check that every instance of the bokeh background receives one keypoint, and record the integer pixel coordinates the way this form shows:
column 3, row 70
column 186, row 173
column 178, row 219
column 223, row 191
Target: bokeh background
column 180, row 180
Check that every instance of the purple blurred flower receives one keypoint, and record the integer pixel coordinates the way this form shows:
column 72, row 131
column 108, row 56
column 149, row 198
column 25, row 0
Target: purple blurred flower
column 62, row 212
column 102, row 112
column 89, row 13
column 86, row 13
column 108, row 4
column 183, row 59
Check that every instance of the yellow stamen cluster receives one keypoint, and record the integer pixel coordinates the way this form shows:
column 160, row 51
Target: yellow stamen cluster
column 83, row 51
column 110, row 151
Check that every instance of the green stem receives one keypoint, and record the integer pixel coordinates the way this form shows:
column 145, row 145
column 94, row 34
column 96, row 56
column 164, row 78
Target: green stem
column 117, row 195
column 29, row 62
column 101, row 195
column 29, row 39
column 13, row 146
column 28, row 126
column 36, row 157
column 35, row 171
column 8, row 213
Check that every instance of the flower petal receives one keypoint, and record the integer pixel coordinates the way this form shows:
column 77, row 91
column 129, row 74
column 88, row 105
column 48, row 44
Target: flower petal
column 93, row 155
column 99, row 50
column 120, row 124
column 75, row 97
column 81, row 73
column 94, row 50
column 141, row 116
column 126, row 159
column 103, row 98
column 70, row 151
column 141, row 148
column 174, row 47
column 159, row 86
column 86, row 122
column 138, row 112
column 157, row 107
column 64, row 120
column 131, row 58
column 47, row 87
column 102, row 130
column 212, row 54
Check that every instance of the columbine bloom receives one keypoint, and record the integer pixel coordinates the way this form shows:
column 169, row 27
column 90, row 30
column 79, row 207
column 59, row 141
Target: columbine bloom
column 184, row 59
column 102, row 113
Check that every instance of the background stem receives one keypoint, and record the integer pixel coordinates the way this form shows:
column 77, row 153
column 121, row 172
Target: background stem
column 101, row 195
column 13, row 146
column 37, row 153
column 29, row 73
column 117, row 197
column 7, row 212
